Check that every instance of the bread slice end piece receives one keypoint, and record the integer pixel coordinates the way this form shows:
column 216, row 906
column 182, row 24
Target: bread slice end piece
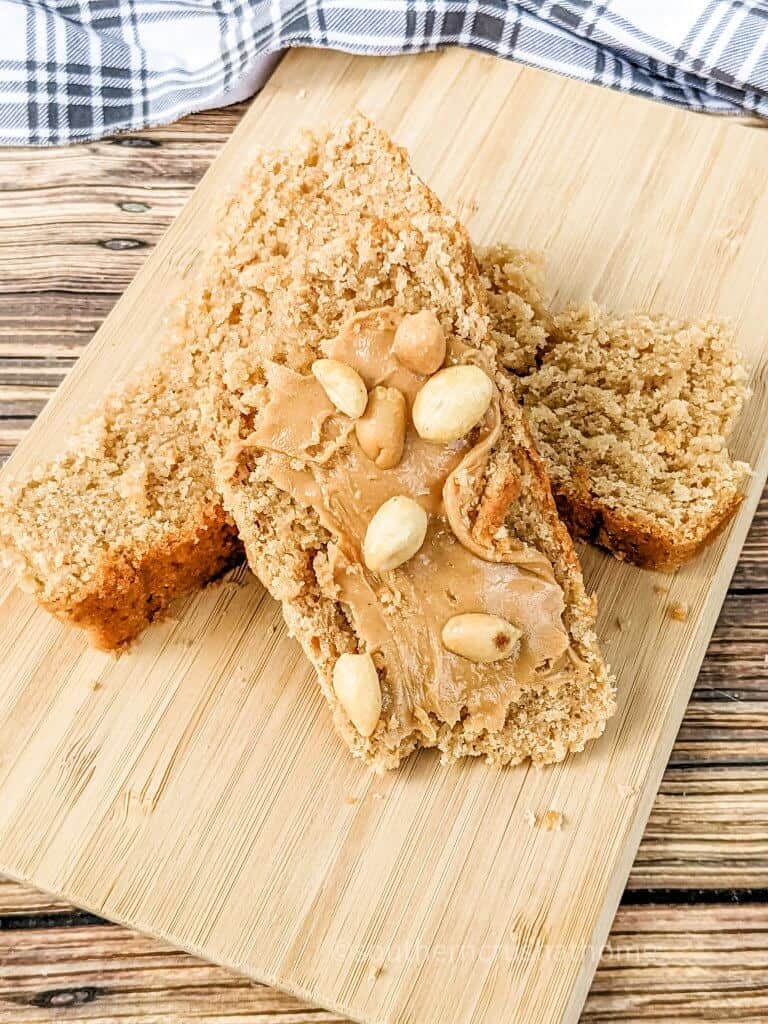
column 631, row 414
column 649, row 546
column 125, row 519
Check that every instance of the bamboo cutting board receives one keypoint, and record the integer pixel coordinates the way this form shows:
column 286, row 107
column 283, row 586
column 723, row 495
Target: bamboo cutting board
column 193, row 789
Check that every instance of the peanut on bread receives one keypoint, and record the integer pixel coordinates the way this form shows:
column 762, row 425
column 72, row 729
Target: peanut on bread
column 339, row 226
column 75, row 534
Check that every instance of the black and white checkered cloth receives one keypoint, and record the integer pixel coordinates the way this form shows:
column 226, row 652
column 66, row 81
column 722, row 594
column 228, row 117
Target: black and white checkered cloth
column 74, row 70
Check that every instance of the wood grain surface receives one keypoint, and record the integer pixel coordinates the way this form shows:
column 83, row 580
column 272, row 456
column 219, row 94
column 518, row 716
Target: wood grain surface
column 75, row 225
column 663, row 964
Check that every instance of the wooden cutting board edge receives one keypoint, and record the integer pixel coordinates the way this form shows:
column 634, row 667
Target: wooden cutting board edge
column 623, row 865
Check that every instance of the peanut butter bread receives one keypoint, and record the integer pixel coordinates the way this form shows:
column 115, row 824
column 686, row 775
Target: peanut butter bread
column 126, row 518
column 631, row 415
column 59, row 527
column 323, row 251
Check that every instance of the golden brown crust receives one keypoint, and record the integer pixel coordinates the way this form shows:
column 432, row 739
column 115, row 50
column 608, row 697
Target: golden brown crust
column 650, row 548
column 127, row 595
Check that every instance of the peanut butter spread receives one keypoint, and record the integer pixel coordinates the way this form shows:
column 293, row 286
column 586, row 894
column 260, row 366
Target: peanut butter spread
column 311, row 451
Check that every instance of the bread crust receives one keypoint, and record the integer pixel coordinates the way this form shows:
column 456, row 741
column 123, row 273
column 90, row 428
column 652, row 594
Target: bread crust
column 128, row 595
column 626, row 539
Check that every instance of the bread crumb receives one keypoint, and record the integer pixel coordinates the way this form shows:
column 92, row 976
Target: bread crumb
column 621, row 623
column 626, row 790
column 301, row 94
column 530, row 818
column 552, row 821
column 350, row 800
column 659, row 590
column 678, row 612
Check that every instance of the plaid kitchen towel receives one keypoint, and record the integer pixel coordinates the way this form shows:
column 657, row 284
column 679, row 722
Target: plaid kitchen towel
column 74, row 70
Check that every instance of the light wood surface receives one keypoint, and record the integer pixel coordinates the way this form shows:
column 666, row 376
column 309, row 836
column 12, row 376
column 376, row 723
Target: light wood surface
column 108, row 791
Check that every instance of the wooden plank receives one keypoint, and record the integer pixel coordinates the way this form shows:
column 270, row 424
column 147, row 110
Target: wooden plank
column 157, row 163
column 723, row 733
column 113, row 198
column 286, row 862
column 17, row 899
column 708, row 830
column 661, row 964
column 736, row 667
column 107, row 974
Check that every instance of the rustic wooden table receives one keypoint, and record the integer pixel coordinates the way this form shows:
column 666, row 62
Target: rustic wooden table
column 691, row 937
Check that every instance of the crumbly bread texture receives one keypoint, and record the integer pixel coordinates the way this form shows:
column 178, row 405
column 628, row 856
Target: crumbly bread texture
column 631, row 414
column 94, row 562
column 336, row 225
column 126, row 518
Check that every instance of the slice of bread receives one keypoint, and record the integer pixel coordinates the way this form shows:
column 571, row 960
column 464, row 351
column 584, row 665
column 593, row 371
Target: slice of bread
column 631, row 415
column 314, row 235
column 125, row 519
column 95, row 564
